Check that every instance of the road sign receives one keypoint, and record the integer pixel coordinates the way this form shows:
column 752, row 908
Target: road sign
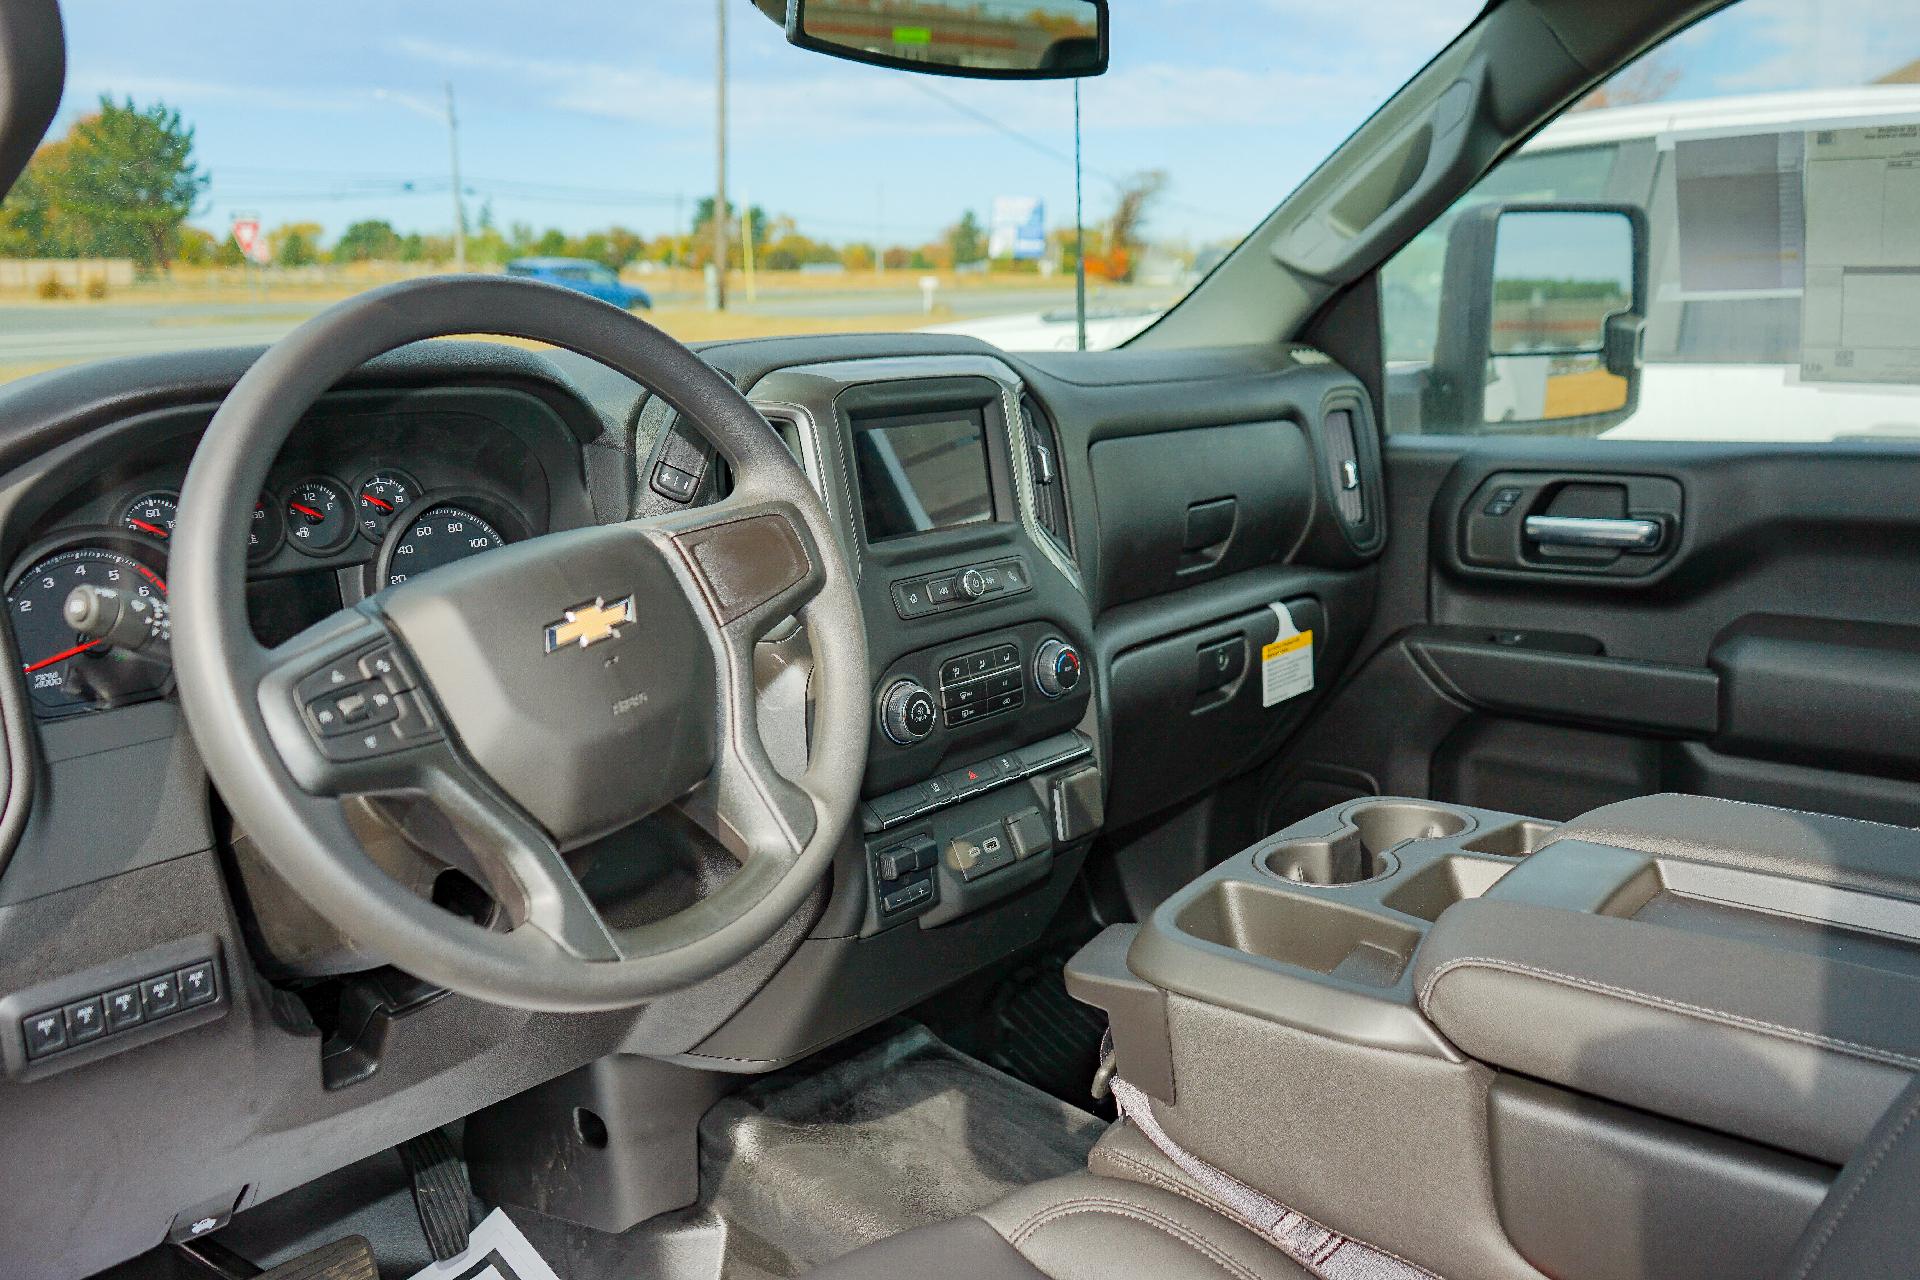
column 1018, row 228
column 246, row 234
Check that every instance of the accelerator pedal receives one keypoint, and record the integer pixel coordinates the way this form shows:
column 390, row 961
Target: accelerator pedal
column 442, row 1191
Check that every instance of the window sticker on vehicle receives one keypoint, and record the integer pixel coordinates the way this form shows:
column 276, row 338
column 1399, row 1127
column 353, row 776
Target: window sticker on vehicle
column 1863, row 255
column 495, row 1251
column 1286, row 665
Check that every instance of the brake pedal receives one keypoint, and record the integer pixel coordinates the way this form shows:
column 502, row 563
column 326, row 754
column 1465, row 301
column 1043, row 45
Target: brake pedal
column 442, row 1191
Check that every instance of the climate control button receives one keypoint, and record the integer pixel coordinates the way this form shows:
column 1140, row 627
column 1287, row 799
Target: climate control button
column 907, row 712
column 1056, row 667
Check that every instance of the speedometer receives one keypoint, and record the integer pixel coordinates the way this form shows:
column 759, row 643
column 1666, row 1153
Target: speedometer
column 437, row 536
column 64, row 670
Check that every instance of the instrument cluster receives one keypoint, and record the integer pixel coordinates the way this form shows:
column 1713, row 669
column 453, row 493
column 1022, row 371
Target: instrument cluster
column 89, row 605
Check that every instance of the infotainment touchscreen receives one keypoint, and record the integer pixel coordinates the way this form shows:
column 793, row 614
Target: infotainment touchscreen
column 927, row 471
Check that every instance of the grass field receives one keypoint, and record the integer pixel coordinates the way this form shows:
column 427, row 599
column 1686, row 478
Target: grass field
column 234, row 307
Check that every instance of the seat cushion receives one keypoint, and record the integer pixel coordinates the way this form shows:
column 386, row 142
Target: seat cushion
column 1080, row 1227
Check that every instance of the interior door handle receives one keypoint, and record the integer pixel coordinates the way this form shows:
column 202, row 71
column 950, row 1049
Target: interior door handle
column 1594, row 531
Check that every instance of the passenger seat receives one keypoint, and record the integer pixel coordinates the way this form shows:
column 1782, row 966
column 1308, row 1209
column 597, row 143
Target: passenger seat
column 1094, row 1227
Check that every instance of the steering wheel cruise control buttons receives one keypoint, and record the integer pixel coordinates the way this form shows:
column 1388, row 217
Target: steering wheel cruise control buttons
column 365, row 705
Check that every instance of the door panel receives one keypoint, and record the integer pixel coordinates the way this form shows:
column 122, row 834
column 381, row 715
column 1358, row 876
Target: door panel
column 1768, row 648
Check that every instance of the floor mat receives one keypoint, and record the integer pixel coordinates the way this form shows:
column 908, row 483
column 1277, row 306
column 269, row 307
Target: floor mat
column 908, row 1132
column 1038, row 1033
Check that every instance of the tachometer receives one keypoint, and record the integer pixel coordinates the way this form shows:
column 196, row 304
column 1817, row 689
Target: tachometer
column 65, row 670
column 439, row 535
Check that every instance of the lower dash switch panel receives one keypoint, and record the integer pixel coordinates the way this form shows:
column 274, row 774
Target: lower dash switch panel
column 112, row 1007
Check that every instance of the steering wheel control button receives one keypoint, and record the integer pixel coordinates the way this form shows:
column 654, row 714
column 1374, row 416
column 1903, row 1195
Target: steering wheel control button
column 44, row 1032
column 1056, row 668
column 671, row 482
column 907, row 713
column 387, row 666
column 958, row 588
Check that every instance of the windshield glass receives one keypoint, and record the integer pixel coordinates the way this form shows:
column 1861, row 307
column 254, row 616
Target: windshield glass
column 214, row 180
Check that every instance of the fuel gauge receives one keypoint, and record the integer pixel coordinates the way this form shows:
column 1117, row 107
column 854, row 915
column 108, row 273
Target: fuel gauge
column 319, row 517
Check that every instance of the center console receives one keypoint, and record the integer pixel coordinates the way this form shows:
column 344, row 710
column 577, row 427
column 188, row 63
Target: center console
column 981, row 763
column 1634, row 1045
column 984, row 783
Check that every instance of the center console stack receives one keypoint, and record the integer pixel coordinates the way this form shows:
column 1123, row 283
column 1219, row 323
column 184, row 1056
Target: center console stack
column 1636, row 1044
column 981, row 762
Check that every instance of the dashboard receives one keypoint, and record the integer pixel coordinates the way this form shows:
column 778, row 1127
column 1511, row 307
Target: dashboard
column 1065, row 587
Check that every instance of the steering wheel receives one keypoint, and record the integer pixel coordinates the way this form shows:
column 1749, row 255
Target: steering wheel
column 544, row 694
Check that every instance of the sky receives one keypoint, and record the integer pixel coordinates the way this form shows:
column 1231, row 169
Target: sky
column 579, row 115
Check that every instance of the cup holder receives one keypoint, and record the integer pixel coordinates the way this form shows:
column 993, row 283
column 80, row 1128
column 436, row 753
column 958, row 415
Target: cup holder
column 1363, row 851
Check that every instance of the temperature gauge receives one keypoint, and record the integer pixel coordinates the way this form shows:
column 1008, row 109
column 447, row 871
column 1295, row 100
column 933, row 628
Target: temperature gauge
column 319, row 517
column 381, row 496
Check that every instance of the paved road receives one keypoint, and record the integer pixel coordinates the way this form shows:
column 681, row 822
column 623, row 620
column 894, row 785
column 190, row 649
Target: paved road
column 32, row 335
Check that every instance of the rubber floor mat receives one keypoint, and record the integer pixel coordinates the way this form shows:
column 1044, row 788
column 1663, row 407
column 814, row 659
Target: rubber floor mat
column 1038, row 1033
column 906, row 1133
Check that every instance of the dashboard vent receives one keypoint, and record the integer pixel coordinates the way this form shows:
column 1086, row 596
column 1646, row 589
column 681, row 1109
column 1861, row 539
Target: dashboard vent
column 1343, row 464
column 1043, row 467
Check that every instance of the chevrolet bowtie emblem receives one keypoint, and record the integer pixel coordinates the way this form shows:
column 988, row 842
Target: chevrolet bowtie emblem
column 590, row 623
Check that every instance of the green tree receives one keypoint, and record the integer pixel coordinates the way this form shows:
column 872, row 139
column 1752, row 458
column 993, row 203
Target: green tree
column 120, row 184
column 369, row 240
column 296, row 244
column 965, row 240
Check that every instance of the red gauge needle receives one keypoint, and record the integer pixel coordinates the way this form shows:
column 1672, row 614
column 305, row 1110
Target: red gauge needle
column 61, row 656
column 144, row 527
column 306, row 511
column 384, row 506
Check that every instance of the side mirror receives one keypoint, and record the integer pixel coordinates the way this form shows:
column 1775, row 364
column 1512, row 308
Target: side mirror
column 1027, row 40
column 1542, row 316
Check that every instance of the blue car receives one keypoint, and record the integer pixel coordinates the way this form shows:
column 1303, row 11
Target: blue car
column 584, row 274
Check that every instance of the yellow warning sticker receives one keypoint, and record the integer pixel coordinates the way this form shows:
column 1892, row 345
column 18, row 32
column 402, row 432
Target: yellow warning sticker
column 1286, row 668
column 1287, row 645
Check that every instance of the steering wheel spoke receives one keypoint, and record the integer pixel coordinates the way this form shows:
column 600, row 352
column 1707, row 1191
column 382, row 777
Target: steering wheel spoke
column 520, row 867
column 750, row 557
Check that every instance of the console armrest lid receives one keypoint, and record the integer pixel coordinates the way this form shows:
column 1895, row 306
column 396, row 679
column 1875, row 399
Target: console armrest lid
column 1795, row 1050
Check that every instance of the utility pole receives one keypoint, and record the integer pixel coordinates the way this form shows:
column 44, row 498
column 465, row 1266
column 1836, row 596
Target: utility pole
column 746, row 244
column 459, row 205
column 720, row 218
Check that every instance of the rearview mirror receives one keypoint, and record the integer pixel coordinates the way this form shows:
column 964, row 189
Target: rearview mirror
column 1543, row 308
column 981, row 39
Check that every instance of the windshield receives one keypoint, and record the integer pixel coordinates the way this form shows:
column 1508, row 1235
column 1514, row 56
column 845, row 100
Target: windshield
column 213, row 181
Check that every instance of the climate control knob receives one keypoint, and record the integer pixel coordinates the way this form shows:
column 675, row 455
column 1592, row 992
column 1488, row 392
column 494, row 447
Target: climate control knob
column 907, row 712
column 1056, row 667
